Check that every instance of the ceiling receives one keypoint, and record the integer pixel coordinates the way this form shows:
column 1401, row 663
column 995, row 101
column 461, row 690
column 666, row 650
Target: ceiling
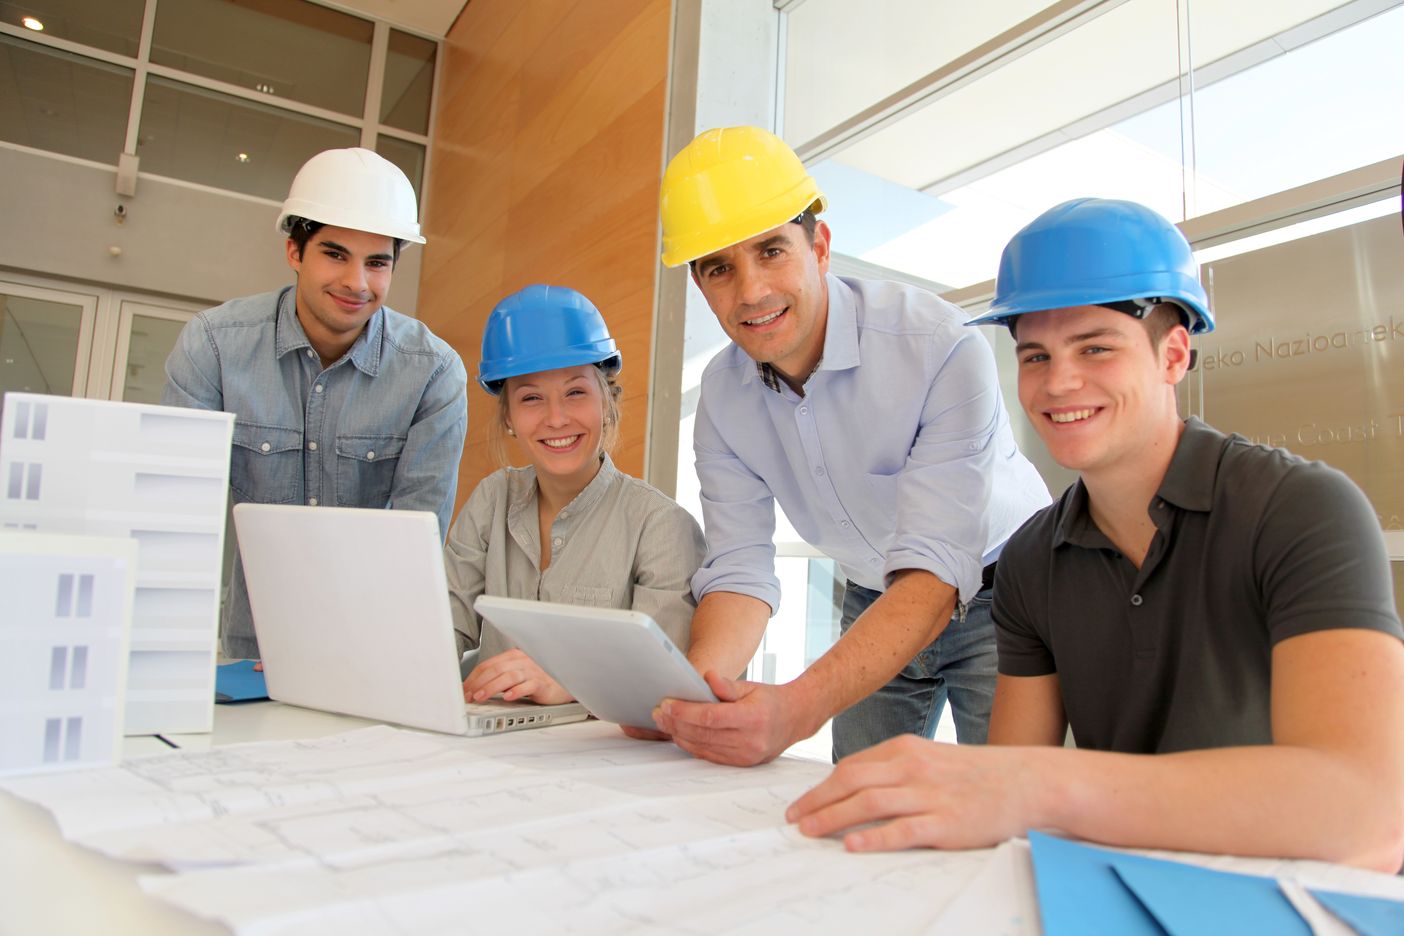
column 429, row 17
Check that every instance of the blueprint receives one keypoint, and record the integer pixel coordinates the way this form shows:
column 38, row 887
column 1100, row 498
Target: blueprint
column 575, row 829
column 385, row 830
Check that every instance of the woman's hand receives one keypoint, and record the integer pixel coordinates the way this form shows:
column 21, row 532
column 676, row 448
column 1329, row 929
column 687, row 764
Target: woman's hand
column 514, row 676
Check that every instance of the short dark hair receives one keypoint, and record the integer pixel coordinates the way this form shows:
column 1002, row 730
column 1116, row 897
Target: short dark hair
column 300, row 231
column 1157, row 321
column 806, row 219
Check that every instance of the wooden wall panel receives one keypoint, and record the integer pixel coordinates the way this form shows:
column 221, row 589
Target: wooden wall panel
column 547, row 154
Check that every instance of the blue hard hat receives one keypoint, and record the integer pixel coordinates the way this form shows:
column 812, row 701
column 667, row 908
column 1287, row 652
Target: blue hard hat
column 1098, row 251
column 541, row 328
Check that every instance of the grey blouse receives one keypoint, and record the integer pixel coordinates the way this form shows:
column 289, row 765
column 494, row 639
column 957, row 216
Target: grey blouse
column 620, row 544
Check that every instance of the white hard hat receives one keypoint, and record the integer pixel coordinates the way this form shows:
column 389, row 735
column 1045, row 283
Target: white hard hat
column 355, row 189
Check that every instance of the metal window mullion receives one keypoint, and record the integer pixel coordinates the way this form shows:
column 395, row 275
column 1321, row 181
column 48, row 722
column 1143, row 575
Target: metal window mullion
column 407, row 135
column 1043, row 27
column 433, row 124
column 69, row 46
column 257, row 97
column 375, row 83
column 148, row 28
column 1271, row 212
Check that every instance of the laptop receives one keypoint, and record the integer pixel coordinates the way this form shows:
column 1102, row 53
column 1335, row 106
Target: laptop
column 352, row 615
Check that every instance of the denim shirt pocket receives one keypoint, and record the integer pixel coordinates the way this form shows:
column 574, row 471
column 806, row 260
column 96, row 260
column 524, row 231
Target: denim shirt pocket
column 365, row 469
column 266, row 464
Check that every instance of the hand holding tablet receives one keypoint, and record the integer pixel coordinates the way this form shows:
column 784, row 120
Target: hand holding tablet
column 619, row 664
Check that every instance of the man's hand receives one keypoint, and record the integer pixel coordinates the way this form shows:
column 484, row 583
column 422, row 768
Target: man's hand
column 923, row 793
column 753, row 723
column 516, row 676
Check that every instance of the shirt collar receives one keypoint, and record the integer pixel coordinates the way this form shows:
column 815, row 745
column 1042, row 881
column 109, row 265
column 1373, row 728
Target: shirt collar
column 840, row 338
column 1194, row 468
column 289, row 336
column 1188, row 484
column 523, row 488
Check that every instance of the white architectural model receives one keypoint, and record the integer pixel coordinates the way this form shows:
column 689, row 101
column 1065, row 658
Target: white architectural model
column 64, row 626
column 160, row 476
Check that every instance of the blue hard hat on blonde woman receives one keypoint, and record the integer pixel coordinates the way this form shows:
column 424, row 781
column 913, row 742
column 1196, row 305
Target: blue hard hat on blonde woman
column 542, row 328
column 1102, row 252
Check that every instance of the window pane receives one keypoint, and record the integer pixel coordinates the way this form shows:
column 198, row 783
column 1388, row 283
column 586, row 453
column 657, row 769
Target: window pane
column 1305, row 353
column 38, row 345
column 409, row 81
column 114, row 25
column 151, row 342
column 214, row 139
column 843, row 57
column 408, row 156
column 286, row 48
column 63, row 103
column 1287, row 95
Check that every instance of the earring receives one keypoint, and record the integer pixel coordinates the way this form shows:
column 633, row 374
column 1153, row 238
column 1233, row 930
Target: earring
column 511, row 432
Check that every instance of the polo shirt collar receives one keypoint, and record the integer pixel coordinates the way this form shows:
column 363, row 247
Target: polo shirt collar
column 289, row 336
column 1188, row 484
column 1194, row 468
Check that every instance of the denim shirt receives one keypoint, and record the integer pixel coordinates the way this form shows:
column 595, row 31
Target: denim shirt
column 383, row 426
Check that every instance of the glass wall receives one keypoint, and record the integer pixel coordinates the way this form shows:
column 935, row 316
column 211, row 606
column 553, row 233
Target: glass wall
column 234, row 94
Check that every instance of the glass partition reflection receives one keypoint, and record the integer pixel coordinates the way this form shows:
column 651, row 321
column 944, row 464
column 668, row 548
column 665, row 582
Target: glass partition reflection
column 1308, row 352
column 39, row 343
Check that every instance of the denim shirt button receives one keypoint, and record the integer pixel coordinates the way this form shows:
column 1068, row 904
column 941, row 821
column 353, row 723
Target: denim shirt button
column 370, row 456
column 557, row 541
column 317, row 388
column 311, row 502
column 265, row 447
column 312, row 446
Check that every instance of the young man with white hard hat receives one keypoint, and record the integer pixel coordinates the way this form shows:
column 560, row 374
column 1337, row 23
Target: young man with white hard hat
column 1212, row 618
column 338, row 399
column 874, row 419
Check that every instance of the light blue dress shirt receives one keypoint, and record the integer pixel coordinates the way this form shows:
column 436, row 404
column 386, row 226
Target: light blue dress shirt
column 381, row 427
column 898, row 456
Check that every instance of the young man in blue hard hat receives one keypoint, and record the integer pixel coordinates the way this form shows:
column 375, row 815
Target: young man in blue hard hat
column 339, row 400
column 1212, row 618
column 874, row 419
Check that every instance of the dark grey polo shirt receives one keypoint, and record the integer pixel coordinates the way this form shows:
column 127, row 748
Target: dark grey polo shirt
column 1253, row 545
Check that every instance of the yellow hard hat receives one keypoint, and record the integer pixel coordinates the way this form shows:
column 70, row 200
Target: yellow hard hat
column 729, row 185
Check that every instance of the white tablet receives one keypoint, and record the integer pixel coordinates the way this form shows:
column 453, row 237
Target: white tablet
column 619, row 664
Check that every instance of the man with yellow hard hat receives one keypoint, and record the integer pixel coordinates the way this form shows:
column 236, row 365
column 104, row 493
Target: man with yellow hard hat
column 873, row 418
column 338, row 399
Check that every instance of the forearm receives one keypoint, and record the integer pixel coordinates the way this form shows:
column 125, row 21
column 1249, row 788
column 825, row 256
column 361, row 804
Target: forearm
column 906, row 618
column 726, row 630
column 1273, row 800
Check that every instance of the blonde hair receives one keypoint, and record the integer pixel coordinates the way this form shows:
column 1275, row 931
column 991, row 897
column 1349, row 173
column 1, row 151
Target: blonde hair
column 610, row 391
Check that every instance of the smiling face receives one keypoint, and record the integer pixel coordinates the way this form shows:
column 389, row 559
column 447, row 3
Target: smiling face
column 770, row 297
column 1098, row 393
column 559, row 419
column 342, row 278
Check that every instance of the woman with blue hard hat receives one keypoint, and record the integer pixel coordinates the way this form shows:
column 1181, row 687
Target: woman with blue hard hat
column 569, row 527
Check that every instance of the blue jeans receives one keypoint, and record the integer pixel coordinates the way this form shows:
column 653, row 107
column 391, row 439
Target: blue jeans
column 959, row 664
